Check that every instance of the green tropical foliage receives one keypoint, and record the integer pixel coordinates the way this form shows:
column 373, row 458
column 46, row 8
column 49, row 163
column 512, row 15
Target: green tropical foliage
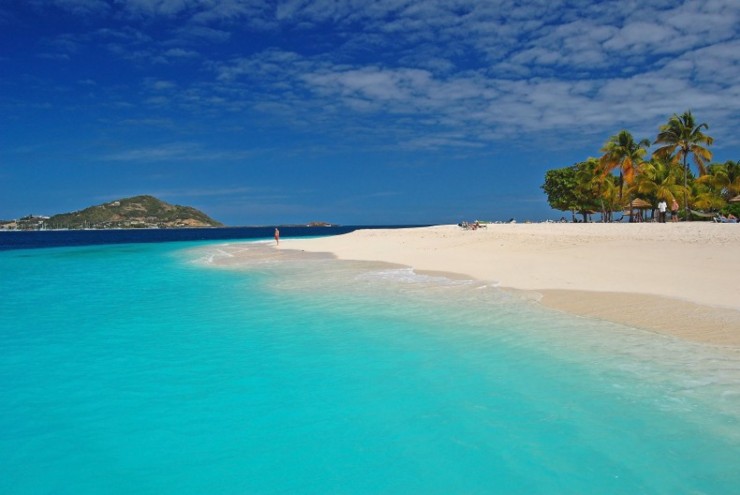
column 574, row 188
column 622, row 173
column 723, row 178
column 560, row 186
column 622, row 152
column 682, row 137
column 659, row 180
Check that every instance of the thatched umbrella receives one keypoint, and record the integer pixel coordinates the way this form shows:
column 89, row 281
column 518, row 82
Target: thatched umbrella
column 637, row 204
column 736, row 199
column 640, row 204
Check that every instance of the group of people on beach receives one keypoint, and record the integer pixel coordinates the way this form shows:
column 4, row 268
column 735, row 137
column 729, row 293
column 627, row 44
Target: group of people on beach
column 663, row 206
column 726, row 219
column 471, row 225
column 636, row 217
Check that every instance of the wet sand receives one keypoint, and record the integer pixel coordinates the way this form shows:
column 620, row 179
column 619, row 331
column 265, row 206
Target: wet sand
column 681, row 279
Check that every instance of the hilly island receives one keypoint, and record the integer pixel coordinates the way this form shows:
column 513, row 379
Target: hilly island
column 128, row 213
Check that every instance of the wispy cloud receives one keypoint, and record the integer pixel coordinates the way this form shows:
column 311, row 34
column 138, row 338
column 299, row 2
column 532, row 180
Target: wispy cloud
column 223, row 193
column 474, row 103
column 435, row 73
column 77, row 7
column 176, row 152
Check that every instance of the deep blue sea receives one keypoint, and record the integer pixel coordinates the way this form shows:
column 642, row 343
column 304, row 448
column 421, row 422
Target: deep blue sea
column 66, row 238
column 230, row 367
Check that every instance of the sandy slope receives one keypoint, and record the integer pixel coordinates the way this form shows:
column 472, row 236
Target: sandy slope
column 677, row 278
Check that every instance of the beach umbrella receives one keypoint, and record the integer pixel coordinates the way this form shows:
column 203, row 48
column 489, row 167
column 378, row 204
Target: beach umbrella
column 736, row 199
column 637, row 204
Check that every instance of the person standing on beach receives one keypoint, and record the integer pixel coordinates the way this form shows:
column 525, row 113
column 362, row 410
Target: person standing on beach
column 662, row 206
column 674, row 211
column 277, row 236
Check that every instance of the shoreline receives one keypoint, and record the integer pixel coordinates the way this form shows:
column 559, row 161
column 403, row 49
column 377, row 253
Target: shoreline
column 681, row 319
column 674, row 279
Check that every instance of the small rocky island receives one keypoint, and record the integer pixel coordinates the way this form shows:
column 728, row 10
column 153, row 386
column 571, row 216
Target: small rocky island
column 128, row 213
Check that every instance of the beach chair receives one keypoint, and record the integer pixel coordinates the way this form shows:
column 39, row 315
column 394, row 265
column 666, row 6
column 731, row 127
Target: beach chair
column 723, row 219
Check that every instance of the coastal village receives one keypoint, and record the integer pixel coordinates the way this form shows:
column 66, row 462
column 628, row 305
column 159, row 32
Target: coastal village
column 29, row 222
column 41, row 222
column 139, row 212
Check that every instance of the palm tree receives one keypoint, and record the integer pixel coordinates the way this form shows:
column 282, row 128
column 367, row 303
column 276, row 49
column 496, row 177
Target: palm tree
column 733, row 177
column 622, row 152
column 659, row 180
column 609, row 196
column 588, row 178
column 718, row 186
column 684, row 137
column 602, row 188
column 706, row 196
column 725, row 178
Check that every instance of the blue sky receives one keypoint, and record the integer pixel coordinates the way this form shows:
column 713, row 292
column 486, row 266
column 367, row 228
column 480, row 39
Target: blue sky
column 348, row 111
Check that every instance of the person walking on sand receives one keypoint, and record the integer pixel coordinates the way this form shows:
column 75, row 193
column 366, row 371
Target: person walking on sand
column 662, row 206
column 277, row 237
column 674, row 211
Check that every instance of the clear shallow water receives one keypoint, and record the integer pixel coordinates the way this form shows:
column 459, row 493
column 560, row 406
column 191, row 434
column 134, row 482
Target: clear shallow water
column 182, row 368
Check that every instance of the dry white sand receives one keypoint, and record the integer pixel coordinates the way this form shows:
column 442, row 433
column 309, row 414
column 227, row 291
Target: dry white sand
column 681, row 279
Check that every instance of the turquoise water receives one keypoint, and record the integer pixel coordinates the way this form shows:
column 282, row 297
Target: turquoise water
column 235, row 369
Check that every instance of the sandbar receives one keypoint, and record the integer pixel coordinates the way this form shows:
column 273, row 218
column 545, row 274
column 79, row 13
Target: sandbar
column 680, row 279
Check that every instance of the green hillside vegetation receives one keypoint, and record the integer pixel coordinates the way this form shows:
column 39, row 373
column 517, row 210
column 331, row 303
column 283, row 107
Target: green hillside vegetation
column 136, row 212
column 628, row 181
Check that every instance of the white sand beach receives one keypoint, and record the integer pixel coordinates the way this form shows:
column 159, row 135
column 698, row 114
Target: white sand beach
column 681, row 279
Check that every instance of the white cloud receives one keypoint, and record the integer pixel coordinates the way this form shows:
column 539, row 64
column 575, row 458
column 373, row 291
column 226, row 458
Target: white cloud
column 208, row 192
column 160, row 85
column 371, row 83
column 86, row 6
column 199, row 33
column 180, row 53
column 229, row 10
column 156, row 7
column 435, row 71
column 176, row 152
column 470, row 104
column 639, row 35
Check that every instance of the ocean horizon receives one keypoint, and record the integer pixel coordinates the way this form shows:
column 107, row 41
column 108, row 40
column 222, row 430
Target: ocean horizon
column 227, row 366
column 31, row 239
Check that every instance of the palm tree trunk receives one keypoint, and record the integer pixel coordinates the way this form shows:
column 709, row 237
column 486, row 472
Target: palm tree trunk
column 601, row 200
column 685, row 185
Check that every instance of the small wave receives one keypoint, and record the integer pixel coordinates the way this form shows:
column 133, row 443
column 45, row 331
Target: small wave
column 210, row 254
column 410, row 276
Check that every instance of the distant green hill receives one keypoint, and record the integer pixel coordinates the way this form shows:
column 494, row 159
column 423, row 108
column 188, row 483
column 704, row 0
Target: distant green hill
column 136, row 212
